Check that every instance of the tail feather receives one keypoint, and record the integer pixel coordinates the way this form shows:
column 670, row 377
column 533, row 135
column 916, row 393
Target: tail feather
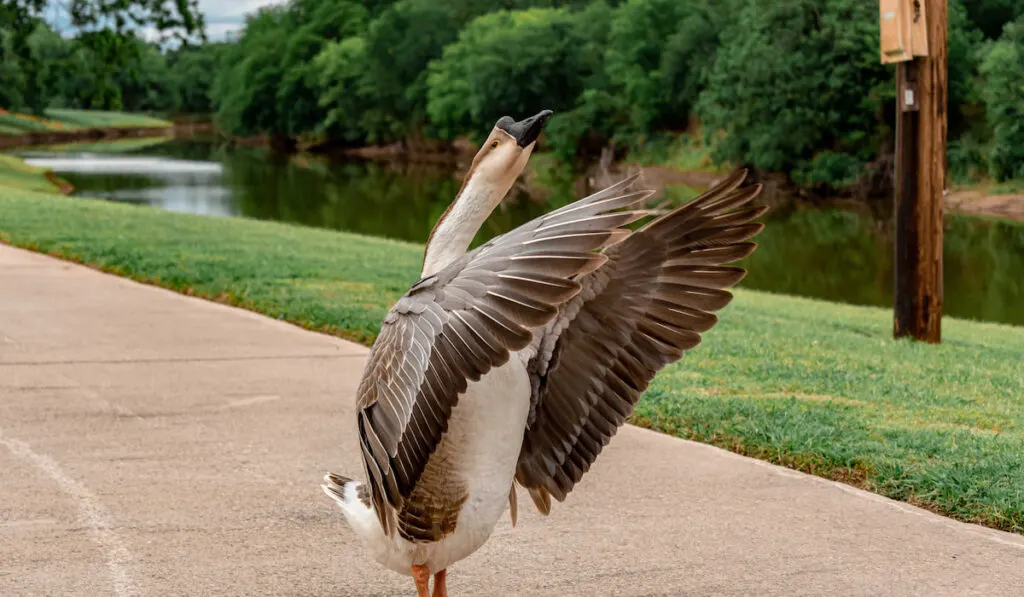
column 345, row 491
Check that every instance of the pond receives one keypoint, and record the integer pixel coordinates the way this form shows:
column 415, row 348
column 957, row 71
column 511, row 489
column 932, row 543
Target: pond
column 833, row 253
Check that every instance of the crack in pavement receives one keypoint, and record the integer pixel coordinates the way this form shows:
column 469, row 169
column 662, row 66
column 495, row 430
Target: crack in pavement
column 93, row 515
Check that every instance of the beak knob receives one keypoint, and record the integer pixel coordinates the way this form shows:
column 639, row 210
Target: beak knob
column 527, row 130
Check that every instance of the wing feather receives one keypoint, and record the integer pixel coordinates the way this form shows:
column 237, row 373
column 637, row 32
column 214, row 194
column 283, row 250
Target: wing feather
column 642, row 310
column 456, row 325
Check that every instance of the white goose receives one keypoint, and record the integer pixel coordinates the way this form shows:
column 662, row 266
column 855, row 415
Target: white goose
column 518, row 361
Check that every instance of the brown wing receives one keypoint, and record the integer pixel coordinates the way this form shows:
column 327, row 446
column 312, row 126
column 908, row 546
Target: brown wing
column 636, row 314
column 456, row 325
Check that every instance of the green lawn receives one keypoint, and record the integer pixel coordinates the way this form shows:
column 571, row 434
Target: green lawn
column 817, row 386
column 16, row 124
column 101, row 119
column 120, row 146
column 12, row 123
column 16, row 174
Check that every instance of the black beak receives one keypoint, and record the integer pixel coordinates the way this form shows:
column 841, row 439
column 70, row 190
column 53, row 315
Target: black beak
column 527, row 130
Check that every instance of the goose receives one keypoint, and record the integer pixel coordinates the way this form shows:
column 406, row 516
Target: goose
column 515, row 363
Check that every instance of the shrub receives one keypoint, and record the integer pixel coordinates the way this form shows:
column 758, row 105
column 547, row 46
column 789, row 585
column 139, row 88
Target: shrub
column 1003, row 70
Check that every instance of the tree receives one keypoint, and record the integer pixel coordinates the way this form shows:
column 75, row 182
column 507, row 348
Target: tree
column 512, row 63
column 180, row 19
column 267, row 83
column 990, row 16
column 1003, row 70
column 317, row 22
column 245, row 91
column 193, row 71
column 146, row 83
column 351, row 115
column 793, row 80
column 400, row 44
column 106, row 29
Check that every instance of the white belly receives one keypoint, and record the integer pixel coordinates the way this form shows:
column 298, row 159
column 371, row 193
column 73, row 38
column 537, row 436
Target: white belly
column 486, row 430
column 484, row 437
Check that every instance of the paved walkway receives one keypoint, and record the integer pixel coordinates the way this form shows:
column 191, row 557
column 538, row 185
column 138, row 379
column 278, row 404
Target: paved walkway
column 154, row 444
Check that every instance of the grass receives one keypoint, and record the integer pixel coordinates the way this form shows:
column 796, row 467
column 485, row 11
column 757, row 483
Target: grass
column 1012, row 186
column 682, row 152
column 988, row 186
column 16, row 124
column 118, row 146
column 12, row 123
column 104, row 119
column 816, row 386
column 16, row 174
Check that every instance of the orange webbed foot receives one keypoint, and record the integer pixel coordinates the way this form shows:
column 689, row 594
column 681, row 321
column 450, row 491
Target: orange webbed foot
column 421, row 574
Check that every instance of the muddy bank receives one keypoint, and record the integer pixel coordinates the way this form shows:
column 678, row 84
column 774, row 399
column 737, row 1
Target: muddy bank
column 442, row 153
column 101, row 134
column 1009, row 206
column 63, row 187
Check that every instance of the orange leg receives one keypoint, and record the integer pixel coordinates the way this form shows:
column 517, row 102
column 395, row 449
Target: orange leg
column 422, row 576
column 440, row 587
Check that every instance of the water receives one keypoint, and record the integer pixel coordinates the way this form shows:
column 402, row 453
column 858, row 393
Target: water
column 838, row 254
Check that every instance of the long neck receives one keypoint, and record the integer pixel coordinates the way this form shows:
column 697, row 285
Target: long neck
column 457, row 226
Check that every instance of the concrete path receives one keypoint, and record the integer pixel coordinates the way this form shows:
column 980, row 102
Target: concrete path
column 153, row 444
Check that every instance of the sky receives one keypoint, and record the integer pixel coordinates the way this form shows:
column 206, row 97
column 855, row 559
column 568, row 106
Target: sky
column 222, row 16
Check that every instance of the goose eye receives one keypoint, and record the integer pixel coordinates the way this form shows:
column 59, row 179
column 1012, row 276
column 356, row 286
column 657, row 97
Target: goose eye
column 494, row 143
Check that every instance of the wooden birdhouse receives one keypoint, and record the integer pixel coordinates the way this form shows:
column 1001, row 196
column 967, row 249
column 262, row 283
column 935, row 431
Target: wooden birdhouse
column 904, row 33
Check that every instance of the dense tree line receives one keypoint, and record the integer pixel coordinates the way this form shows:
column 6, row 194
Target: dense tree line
column 781, row 85
column 52, row 71
column 101, row 61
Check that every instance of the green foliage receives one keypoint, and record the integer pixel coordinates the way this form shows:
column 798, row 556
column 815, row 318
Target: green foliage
column 101, row 68
column 966, row 159
column 650, row 65
column 965, row 49
column 990, row 16
column 655, row 50
column 790, row 85
column 688, row 153
column 350, row 112
column 268, row 81
column 381, row 92
column 794, row 78
column 32, row 62
column 193, row 70
column 245, row 91
column 316, row 21
column 1004, row 97
column 505, row 63
column 13, row 74
column 180, row 19
column 829, row 169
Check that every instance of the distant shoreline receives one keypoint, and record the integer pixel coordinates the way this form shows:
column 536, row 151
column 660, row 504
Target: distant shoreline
column 101, row 134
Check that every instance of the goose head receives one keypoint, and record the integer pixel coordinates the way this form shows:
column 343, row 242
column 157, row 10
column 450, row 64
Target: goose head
column 495, row 168
column 504, row 154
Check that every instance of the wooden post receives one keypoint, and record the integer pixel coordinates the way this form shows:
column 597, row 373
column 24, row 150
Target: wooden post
column 920, row 180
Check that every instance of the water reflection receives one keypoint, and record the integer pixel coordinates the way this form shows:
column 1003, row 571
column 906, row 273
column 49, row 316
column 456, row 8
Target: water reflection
column 831, row 253
column 847, row 256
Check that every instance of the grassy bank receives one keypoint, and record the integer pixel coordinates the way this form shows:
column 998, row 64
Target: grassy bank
column 17, row 175
column 12, row 123
column 816, row 386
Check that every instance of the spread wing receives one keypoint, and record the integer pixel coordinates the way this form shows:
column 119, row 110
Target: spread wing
column 456, row 325
column 637, row 313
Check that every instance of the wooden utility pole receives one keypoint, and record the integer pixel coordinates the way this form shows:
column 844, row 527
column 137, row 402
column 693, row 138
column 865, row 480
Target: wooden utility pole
column 921, row 84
